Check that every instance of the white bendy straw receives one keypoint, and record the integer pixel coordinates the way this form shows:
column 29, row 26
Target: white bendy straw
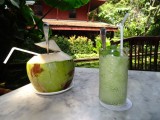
column 121, row 32
column 18, row 49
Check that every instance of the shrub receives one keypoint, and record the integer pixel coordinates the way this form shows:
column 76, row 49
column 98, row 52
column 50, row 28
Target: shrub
column 99, row 44
column 63, row 43
column 81, row 45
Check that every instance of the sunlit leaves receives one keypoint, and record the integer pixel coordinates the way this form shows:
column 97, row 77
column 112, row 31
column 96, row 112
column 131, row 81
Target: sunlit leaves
column 143, row 14
column 111, row 14
column 152, row 8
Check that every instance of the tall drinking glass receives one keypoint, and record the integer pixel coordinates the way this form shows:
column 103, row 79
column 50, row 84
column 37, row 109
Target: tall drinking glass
column 113, row 79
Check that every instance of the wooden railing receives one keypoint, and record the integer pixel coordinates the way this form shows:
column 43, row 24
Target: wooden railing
column 144, row 53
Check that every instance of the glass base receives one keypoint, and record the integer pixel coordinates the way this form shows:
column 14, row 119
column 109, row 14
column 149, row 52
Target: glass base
column 124, row 107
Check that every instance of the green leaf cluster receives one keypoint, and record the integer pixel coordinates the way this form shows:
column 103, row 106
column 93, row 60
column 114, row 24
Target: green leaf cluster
column 66, row 4
column 143, row 20
column 63, row 43
column 98, row 44
column 110, row 50
column 80, row 45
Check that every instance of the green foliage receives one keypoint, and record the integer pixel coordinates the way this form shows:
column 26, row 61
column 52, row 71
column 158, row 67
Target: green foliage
column 80, row 45
column 144, row 16
column 16, row 23
column 85, row 55
column 99, row 44
column 113, row 50
column 63, row 43
column 66, row 4
column 112, row 13
column 154, row 29
column 16, row 19
column 28, row 14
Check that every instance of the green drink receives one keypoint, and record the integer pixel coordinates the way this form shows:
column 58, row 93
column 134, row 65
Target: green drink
column 113, row 75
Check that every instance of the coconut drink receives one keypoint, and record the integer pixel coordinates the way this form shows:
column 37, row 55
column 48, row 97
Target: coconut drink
column 50, row 72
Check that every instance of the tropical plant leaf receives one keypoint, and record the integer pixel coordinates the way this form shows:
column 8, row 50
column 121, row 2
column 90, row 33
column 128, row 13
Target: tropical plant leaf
column 66, row 4
column 15, row 3
column 28, row 14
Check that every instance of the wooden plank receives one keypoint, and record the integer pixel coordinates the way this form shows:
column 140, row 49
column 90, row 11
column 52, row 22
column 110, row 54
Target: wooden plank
column 78, row 25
